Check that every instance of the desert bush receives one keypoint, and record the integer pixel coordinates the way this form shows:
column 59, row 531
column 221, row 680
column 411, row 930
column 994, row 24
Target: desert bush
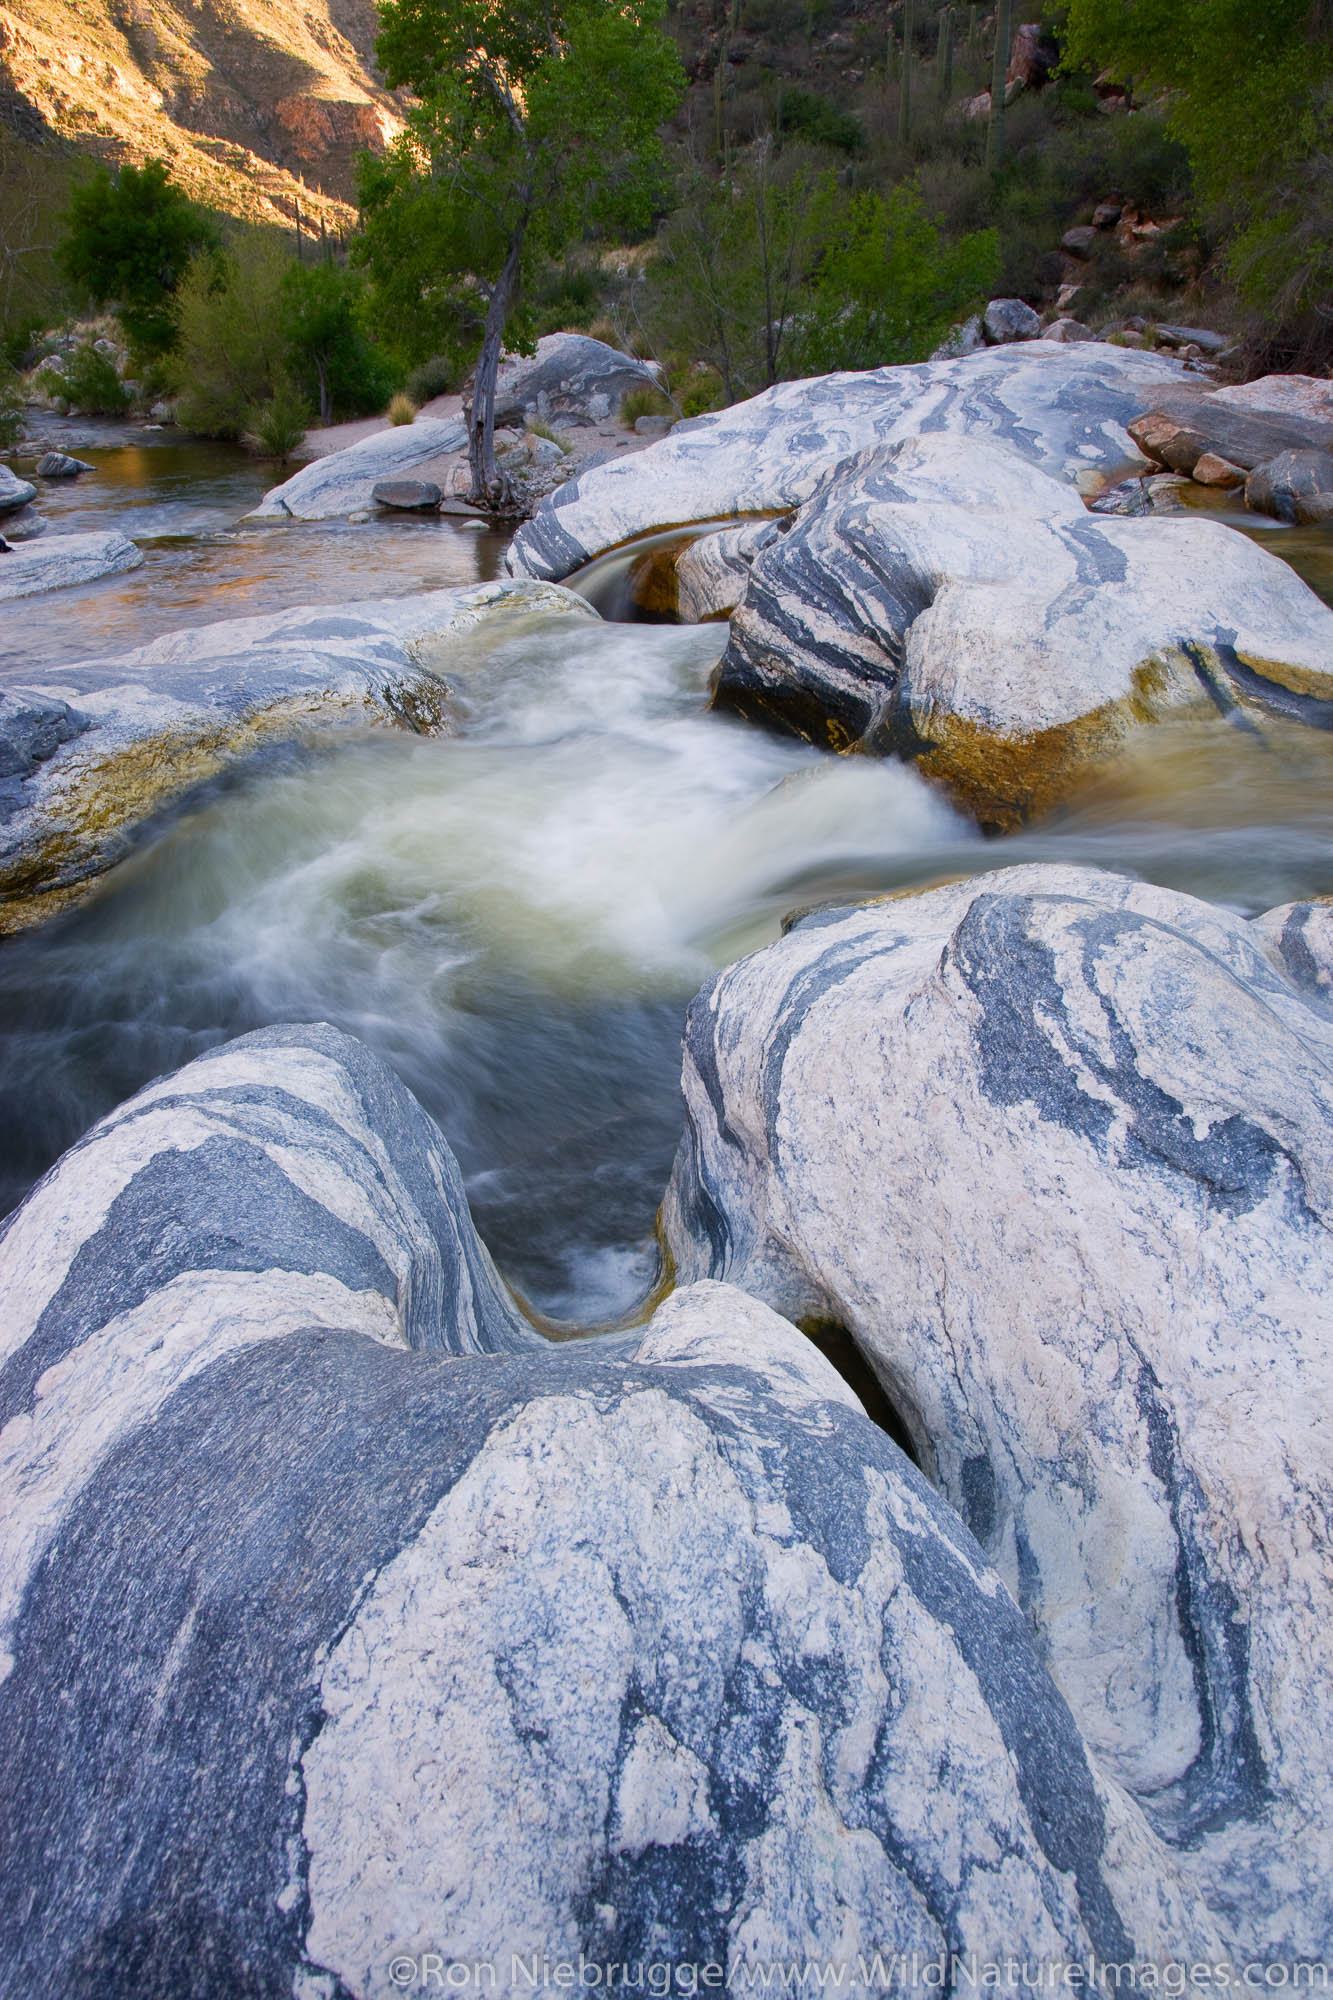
column 401, row 410
column 644, row 402
column 435, row 377
column 89, row 383
column 701, row 392
column 11, row 407
column 278, row 425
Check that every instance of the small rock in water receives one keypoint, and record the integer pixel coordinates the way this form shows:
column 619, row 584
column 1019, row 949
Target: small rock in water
column 59, row 465
column 1009, row 319
column 1212, row 470
column 14, row 492
column 1294, row 486
column 413, row 496
column 25, row 524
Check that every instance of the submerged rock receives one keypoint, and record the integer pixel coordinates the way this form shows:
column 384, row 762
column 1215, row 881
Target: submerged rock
column 335, row 1598
column 60, row 561
column 1055, row 1148
column 25, row 524
column 415, row 496
column 59, row 465
column 945, row 601
column 164, row 717
column 1063, row 408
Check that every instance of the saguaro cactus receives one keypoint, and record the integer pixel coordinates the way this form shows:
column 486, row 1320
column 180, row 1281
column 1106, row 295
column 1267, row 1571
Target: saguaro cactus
column 944, row 56
column 998, row 84
column 905, row 87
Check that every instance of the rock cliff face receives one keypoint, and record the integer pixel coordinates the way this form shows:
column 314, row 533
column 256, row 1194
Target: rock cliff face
column 258, row 108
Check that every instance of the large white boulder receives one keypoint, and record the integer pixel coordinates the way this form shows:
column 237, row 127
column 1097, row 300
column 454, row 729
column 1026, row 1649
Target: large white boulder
column 1062, row 408
column 90, row 751
column 352, row 1632
column 947, row 600
column 1057, row 1149
column 344, row 482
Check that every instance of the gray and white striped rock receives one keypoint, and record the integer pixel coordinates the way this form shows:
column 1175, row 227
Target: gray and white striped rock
column 346, row 1620
column 943, row 599
column 59, row 561
column 14, row 492
column 1062, row 408
column 158, row 720
column 344, row 482
column 1057, row 1149
column 572, row 377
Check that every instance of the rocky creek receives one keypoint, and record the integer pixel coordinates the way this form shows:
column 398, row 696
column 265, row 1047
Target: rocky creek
column 408, row 961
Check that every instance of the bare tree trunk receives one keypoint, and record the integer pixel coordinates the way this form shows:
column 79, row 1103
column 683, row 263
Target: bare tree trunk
column 998, row 84
column 488, row 488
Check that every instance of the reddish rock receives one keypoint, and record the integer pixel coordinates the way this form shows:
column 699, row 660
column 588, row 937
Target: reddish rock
column 1210, row 470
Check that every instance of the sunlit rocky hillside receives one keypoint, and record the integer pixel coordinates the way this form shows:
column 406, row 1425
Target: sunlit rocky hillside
column 258, row 106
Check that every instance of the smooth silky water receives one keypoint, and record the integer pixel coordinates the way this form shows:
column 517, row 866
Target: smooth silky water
column 516, row 914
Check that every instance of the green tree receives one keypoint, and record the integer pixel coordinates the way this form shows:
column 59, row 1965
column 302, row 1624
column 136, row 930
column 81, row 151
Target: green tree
column 231, row 351
column 328, row 353
column 535, row 123
column 129, row 237
column 1250, row 86
column 888, row 286
column 729, row 266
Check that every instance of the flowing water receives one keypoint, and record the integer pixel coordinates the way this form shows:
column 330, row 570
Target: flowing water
column 516, row 914
column 182, row 501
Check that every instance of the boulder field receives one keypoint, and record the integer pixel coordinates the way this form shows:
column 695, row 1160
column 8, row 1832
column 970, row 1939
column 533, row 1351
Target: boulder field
column 89, row 752
column 932, row 583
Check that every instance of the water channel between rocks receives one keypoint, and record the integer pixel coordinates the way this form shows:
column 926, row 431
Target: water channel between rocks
column 516, row 914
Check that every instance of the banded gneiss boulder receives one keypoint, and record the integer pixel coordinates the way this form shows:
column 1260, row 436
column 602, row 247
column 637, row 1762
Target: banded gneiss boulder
column 345, row 1619
column 1056, row 1149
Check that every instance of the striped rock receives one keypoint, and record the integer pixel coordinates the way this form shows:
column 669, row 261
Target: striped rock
column 348, row 1622
column 58, row 562
column 154, row 722
column 1064, row 408
column 1057, row 1150
column 945, row 600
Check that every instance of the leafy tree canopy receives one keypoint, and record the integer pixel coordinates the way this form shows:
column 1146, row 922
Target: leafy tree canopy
column 888, row 286
column 129, row 237
column 1251, row 84
column 535, row 124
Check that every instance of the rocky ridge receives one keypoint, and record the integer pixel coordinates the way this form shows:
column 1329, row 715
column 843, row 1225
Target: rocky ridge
column 259, row 110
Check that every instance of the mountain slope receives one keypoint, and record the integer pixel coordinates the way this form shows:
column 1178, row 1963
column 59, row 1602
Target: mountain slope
column 258, row 106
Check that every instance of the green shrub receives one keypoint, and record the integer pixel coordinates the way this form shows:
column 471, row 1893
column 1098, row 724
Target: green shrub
column 279, row 425
column 803, row 114
column 435, row 377
column 888, row 286
column 644, row 402
column 540, row 428
column 11, row 408
column 702, row 392
column 89, row 383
